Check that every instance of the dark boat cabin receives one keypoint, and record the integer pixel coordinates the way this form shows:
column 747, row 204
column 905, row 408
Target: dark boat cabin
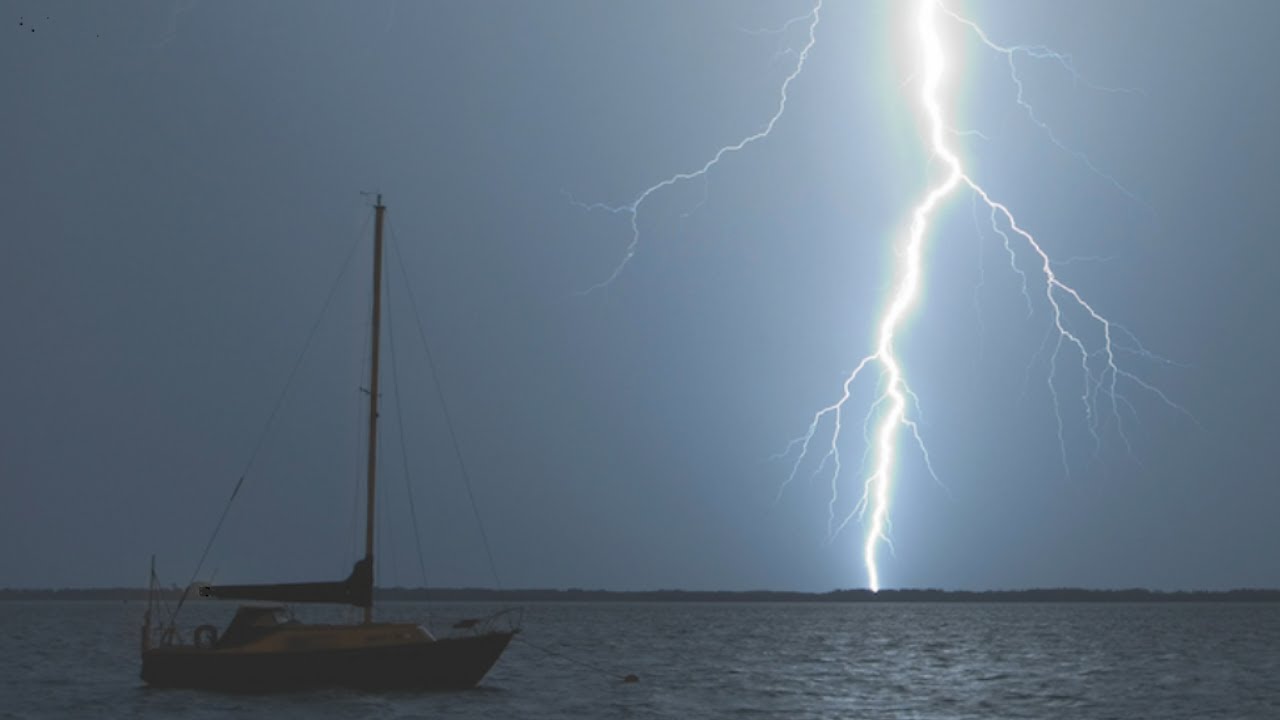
column 252, row 622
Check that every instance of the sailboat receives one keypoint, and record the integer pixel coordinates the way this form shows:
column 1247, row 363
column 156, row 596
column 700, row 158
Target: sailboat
column 265, row 649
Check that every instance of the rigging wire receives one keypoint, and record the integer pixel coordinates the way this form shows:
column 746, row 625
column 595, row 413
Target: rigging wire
column 360, row 409
column 444, row 408
column 404, row 451
column 359, row 439
column 361, row 421
column 386, row 531
column 275, row 410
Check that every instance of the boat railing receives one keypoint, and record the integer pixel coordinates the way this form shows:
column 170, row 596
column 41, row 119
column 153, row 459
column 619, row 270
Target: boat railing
column 506, row 620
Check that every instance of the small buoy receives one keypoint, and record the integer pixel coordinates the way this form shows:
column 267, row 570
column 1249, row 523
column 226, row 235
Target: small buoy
column 631, row 678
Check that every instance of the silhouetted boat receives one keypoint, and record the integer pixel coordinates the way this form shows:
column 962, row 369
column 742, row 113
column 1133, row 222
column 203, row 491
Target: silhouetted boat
column 264, row 649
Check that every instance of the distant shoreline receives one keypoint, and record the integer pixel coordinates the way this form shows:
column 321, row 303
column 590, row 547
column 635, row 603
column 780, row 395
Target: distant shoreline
column 575, row 595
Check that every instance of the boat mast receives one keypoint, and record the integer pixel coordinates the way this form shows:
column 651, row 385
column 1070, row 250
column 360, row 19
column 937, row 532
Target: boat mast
column 379, row 209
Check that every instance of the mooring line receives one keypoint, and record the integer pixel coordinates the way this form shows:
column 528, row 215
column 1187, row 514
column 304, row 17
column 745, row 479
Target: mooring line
column 628, row 678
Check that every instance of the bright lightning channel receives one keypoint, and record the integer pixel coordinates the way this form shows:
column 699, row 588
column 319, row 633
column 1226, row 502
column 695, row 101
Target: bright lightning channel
column 1101, row 371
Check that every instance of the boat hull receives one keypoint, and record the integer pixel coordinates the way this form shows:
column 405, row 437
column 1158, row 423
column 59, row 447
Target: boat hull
column 453, row 663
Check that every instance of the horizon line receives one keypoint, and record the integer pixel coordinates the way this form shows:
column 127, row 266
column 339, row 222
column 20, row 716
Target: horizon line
column 1063, row 592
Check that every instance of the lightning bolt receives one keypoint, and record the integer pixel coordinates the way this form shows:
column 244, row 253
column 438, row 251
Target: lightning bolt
column 632, row 209
column 1077, row 329
column 889, row 411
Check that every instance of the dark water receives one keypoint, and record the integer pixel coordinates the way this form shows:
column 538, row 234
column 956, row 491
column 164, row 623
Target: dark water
column 708, row 660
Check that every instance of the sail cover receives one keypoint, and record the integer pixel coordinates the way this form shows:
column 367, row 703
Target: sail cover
column 356, row 590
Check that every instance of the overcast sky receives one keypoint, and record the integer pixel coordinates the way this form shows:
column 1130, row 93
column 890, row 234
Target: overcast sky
column 180, row 189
